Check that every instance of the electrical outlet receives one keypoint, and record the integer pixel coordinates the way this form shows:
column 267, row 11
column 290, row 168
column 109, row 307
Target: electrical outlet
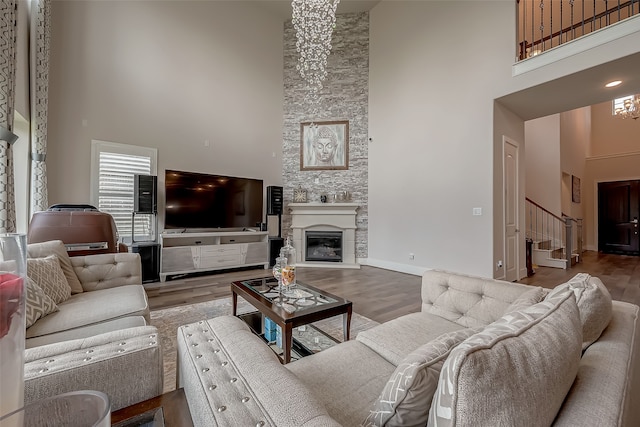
column 412, row 256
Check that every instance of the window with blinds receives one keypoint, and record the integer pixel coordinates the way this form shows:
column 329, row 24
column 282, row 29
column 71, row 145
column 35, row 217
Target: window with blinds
column 618, row 103
column 113, row 168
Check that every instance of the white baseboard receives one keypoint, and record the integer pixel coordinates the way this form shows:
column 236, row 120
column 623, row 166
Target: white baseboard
column 394, row 266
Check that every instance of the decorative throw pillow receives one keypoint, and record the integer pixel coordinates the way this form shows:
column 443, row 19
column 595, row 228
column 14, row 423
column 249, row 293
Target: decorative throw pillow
column 594, row 305
column 38, row 304
column 57, row 248
column 517, row 370
column 406, row 398
column 47, row 273
column 527, row 299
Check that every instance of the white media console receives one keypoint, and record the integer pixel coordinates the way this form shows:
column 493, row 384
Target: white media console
column 184, row 253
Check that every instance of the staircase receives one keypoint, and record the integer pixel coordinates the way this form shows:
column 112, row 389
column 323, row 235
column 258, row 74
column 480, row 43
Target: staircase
column 556, row 241
column 546, row 254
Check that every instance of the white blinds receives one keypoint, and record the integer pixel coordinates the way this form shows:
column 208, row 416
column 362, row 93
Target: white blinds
column 115, row 189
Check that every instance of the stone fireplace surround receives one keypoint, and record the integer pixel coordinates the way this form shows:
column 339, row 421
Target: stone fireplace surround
column 324, row 217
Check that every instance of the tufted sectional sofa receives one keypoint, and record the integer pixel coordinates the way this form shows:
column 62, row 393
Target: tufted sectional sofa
column 480, row 352
column 99, row 339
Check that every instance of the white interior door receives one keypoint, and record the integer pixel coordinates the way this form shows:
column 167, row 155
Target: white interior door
column 510, row 183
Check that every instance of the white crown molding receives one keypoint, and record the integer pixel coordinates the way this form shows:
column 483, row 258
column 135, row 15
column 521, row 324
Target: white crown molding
column 613, row 156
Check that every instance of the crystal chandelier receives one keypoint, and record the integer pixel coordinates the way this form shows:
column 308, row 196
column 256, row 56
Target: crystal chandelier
column 630, row 108
column 314, row 21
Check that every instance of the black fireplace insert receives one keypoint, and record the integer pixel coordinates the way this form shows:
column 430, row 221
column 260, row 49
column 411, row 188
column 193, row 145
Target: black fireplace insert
column 323, row 246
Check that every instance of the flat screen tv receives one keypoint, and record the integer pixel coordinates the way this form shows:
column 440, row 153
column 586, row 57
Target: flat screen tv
column 203, row 201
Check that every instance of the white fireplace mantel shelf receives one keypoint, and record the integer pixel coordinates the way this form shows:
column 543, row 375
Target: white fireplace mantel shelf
column 303, row 208
column 325, row 217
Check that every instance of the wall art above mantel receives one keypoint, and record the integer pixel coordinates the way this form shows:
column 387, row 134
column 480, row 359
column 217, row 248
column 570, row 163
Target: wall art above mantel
column 324, row 145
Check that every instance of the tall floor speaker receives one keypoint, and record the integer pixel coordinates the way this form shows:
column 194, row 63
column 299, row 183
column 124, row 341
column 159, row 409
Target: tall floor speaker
column 275, row 244
column 150, row 258
column 145, row 189
column 274, row 200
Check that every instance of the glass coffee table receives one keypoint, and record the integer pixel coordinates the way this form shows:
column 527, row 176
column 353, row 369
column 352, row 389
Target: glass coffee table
column 299, row 306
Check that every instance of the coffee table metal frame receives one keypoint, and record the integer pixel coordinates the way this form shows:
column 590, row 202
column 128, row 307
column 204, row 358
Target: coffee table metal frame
column 302, row 316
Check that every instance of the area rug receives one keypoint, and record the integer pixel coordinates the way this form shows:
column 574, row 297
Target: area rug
column 169, row 319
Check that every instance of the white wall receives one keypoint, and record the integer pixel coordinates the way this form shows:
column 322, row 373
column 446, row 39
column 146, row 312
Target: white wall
column 543, row 173
column 575, row 139
column 556, row 151
column 170, row 75
column 436, row 70
column 612, row 135
column 174, row 74
column 431, row 121
column 594, row 146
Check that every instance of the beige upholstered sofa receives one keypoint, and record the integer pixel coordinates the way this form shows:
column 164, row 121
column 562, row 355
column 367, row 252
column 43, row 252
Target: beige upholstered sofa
column 98, row 337
column 481, row 352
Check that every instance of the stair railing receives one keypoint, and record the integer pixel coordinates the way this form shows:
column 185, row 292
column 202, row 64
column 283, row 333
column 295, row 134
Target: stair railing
column 573, row 237
column 561, row 235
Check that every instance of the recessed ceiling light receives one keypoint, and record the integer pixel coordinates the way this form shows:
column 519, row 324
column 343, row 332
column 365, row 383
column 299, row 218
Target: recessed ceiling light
column 614, row 83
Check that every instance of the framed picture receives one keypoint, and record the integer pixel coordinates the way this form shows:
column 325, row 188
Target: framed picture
column 324, row 145
column 575, row 189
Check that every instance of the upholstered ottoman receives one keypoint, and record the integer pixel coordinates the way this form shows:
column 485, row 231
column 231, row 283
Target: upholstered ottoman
column 231, row 377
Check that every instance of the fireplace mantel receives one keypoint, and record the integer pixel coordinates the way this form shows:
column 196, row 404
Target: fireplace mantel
column 325, row 217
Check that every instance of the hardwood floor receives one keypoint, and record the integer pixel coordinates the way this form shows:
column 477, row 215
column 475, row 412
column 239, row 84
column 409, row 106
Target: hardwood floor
column 378, row 294
column 382, row 295
column 619, row 273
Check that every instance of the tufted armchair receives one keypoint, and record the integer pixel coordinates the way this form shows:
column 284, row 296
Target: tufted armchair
column 99, row 338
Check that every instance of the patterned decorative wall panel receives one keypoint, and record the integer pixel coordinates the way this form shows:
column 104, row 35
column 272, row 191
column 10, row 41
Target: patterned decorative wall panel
column 345, row 96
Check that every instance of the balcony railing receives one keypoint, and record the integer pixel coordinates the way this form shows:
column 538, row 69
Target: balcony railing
column 544, row 24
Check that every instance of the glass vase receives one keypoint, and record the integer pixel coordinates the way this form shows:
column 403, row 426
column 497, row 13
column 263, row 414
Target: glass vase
column 13, row 275
column 289, row 270
column 279, row 264
column 277, row 270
